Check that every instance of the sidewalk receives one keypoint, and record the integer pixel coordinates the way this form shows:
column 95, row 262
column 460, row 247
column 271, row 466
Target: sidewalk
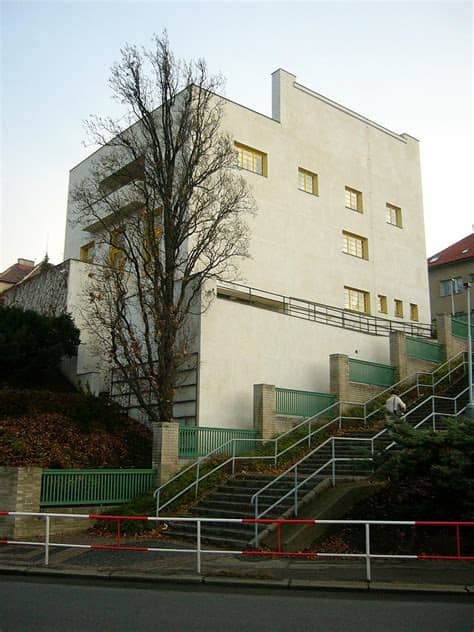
column 236, row 570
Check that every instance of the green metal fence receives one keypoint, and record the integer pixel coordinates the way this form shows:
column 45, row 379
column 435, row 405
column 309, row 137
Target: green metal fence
column 301, row 403
column 196, row 441
column 93, row 487
column 374, row 373
column 459, row 325
column 424, row 350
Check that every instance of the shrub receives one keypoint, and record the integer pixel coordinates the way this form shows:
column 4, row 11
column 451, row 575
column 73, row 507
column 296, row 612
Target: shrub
column 31, row 344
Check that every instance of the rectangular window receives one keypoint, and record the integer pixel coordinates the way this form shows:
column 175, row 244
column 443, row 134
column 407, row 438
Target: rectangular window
column 398, row 307
column 153, row 228
column 354, row 199
column 117, row 251
column 88, row 252
column 356, row 300
column 447, row 286
column 307, row 181
column 382, row 304
column 251, row 159
column 413, row 311
column 355, row 245
column 393, row 215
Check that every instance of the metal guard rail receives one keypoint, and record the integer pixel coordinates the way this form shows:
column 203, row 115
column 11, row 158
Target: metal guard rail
column 412, row 382
column 368, row 555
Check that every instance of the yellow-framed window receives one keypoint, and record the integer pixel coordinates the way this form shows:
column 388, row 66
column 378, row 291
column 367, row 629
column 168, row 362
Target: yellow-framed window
column 393, row 215
column 382, row 307
column 414, row 312
column 307, row 181
column 356, row 300
column 398, row 308
column 87, row 252
column 353, row 199
column 355, row 245
column 149, row 246
column 117, row 248
column 251, row 159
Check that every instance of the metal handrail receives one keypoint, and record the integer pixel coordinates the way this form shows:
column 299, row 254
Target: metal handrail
column 417, row 376
column 308, row 421
column 327, row 314
column 293, row 491
column 432, row 398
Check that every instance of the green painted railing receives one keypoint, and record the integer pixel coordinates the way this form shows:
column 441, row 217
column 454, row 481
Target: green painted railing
column 424, row 350
column 93, row 487
column 366, row 372
column 459, row 325
column 196, row 441
column 301, row 403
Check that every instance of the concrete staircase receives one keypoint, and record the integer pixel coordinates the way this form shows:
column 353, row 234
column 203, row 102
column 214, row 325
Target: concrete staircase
column 232, row 499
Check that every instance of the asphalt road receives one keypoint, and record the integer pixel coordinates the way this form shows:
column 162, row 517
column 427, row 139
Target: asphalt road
column 38, row 604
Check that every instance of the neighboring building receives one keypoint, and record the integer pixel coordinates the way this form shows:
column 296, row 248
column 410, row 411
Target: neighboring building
column 339, row 225
column 15, row 273
column 448, row 270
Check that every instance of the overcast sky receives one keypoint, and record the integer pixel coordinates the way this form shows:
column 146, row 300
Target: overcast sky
column 406, row 65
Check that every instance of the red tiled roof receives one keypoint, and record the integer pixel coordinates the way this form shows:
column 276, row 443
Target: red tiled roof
column 15, row 273
column 460, row 251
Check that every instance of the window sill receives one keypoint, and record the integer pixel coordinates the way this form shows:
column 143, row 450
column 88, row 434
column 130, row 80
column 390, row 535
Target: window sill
column 356, row 210
column 355, row 256
column 263, row 175
column 308, row 192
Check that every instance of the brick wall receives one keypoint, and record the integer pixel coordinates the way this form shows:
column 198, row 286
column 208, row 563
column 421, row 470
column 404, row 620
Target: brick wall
column 165, row 450
column 342, row 387
column 20, row 490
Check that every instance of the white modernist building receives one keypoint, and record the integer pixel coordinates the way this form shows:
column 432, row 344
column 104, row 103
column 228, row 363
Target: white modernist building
column 337, row 253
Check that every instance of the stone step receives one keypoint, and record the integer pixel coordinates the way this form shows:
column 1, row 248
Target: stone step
column 232, row 498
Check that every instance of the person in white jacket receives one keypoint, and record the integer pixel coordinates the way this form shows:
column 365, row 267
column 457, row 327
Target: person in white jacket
column 395, row 407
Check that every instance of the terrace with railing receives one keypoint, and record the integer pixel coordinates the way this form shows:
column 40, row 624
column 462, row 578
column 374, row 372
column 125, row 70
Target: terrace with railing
column 319, row 312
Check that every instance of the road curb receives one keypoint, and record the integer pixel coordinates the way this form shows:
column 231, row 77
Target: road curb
column 236, row 582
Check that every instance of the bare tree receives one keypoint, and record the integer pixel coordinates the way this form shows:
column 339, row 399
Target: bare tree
column 167, row 207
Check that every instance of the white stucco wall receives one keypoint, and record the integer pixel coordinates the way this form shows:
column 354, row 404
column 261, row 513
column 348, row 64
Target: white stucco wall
column 296, row 246
column 297, row 237
column 92, row 365
column 248, row 345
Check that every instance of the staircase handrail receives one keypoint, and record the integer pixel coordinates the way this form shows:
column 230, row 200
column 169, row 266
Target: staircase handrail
column 158, row 490
column 293, row 490
column 432, row 398
column 432, row 414
column 308, row 421
column 233, row 458
column 306, row 456
column 417, row 375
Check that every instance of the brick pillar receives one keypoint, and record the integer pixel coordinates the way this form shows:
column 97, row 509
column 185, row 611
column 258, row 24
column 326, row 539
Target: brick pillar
column 445, row 335
column 165, row 449
column 20, row 490
column 398, row 354
column 264, row 407
column 339, row 376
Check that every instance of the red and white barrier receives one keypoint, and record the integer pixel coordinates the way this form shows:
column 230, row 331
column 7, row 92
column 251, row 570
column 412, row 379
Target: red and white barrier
column 278, row 552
